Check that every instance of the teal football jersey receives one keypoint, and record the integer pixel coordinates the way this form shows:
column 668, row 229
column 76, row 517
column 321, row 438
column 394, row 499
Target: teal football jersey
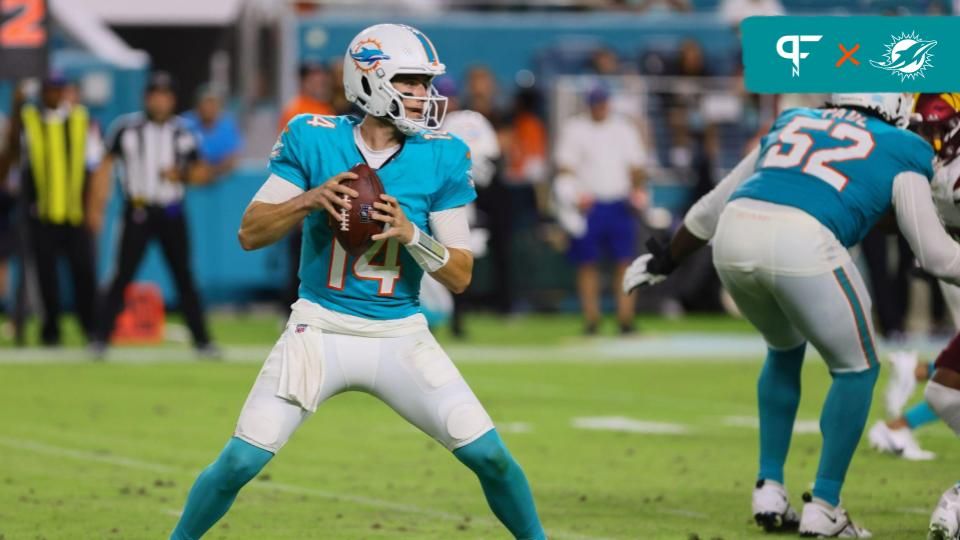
column 837, row 165
column 430, row 173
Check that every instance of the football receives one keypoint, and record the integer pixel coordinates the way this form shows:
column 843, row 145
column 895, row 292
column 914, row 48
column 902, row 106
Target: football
column 355, row 226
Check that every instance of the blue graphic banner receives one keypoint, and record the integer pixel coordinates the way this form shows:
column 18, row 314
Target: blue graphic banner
column 851, row 54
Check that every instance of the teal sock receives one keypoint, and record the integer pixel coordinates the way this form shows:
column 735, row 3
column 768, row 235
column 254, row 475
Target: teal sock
column 504, row 485
column 841, row 423
column 919, row 414
column 778, row 396
column 217, row 487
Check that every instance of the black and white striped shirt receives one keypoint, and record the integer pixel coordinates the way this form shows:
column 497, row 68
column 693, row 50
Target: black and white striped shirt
column 147, row 149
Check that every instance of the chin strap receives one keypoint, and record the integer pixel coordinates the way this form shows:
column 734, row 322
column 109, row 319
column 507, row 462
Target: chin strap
column 428, row 253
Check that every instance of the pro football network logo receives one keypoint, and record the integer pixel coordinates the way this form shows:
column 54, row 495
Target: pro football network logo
column 907, row 56
column 368, row 54
column 794, row 54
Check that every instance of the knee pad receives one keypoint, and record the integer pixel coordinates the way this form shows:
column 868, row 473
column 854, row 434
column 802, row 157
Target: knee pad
column 466, row 422
column 240, row 461
column 945, row 401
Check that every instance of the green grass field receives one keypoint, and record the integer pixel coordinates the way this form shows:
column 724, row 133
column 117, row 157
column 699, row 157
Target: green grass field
column 108, row 450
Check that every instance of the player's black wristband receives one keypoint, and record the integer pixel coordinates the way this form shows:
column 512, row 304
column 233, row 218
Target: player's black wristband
column 662, row 262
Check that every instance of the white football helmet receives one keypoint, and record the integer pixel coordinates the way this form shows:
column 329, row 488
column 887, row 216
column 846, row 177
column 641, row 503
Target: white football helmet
column 379, row 53
column 893, row 107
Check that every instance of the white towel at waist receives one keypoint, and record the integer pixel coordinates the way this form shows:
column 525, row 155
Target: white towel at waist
column 307, row 312
column 301, row 366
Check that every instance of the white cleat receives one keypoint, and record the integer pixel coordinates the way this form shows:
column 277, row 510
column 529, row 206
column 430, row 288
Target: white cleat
column 771, row 507
column 945, row 521
column 899, row 442
column 902, row 381
column 820, row 521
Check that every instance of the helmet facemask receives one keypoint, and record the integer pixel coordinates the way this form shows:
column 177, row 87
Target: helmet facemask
column 433, row 109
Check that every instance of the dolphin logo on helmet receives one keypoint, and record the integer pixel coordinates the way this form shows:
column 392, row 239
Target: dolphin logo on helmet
column 369, row 54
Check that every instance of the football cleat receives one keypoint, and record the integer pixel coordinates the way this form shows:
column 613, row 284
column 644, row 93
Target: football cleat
column 821, row 521
column 771, row 507
column 945, row 521
column 897, row 441
column 902, row 381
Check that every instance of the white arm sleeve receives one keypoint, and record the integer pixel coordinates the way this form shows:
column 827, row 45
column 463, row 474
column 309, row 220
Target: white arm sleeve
column 702, row 218
column 917, row 218
column 451, row 227
column 276, row 190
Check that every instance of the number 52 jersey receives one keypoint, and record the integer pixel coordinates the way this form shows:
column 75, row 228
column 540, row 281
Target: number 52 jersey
column 430, row 173
column 838, row 165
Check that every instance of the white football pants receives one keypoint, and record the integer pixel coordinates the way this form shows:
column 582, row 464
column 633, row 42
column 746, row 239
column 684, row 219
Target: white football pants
column 412, row 374
column 795, row 282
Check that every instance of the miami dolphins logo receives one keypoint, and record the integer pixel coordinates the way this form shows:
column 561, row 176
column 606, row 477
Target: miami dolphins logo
column 368, row 54
column 908, row 56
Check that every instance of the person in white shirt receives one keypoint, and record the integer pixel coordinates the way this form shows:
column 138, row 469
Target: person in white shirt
column 600, row 186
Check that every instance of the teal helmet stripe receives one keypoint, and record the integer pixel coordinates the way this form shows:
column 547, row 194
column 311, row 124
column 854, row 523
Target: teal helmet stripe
column 427, row 46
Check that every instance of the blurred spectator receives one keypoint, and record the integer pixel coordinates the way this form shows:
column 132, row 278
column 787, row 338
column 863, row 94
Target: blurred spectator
column 217, row 132
column 160, row 157
column 605, row 62
column 482, row 94
column 526, row 155
column 314, row 95
column 683, row 104
column 57, row 146
column 491, row 224
column 600, row 160
column 936, row 7
column 734, row 11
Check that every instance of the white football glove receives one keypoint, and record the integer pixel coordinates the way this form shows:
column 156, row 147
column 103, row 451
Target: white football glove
column 637, row 274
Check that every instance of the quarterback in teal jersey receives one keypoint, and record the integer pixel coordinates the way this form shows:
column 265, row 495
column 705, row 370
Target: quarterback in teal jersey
column 781, row 223
column 357, row 324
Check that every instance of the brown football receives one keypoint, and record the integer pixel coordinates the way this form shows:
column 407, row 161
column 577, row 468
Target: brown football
column 355, row 226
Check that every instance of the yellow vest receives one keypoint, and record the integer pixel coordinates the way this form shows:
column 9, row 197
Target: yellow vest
column 58, row 168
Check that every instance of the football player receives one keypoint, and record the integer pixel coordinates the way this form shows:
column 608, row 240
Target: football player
column 936, row 116
column 940, row 124
column 357, row 324
column 781, row 223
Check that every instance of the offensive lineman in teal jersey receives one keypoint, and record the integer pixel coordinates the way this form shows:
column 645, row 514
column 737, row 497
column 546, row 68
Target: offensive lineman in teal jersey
column 357, row 324
column 780, row 223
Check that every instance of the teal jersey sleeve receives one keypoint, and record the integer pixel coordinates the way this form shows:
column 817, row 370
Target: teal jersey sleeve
column 913, row 153
column 457, row 188
column 285, row 158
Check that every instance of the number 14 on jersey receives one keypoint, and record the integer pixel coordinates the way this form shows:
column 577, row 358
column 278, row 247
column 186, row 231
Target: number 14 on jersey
column 386, row 272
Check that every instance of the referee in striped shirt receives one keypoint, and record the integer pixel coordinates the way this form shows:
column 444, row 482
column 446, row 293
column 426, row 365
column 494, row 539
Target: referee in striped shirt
column 159, row 157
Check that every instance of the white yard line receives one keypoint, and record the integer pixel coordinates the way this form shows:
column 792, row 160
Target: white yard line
column 120, row 461
column 802, row 427
column 629, row 425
